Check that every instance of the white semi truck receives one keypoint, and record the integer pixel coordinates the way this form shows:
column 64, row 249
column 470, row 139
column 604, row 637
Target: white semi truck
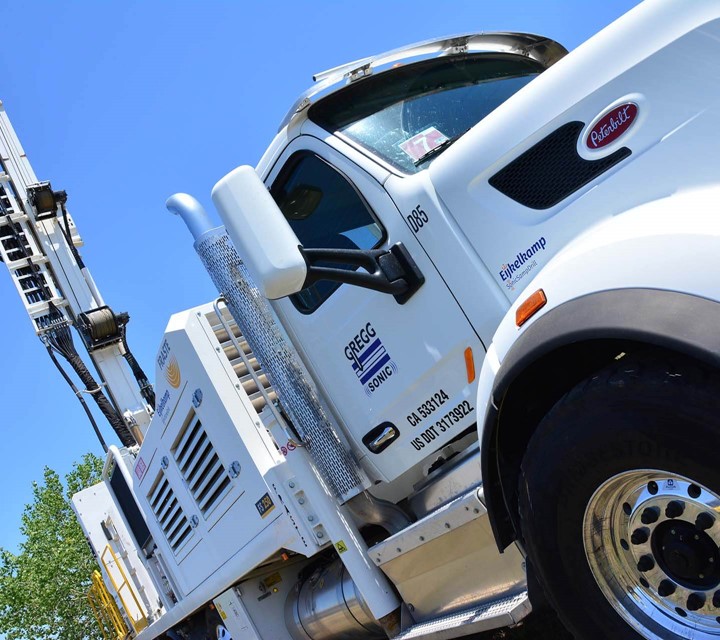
column 466, row 353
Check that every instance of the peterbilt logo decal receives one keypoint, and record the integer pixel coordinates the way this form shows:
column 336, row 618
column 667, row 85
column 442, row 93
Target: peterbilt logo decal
column 611, row 126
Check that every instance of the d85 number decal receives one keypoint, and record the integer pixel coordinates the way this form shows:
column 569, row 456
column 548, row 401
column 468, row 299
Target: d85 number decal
column 417, row 219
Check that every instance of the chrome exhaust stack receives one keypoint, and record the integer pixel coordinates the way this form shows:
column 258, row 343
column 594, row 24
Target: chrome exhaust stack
column 192, row 213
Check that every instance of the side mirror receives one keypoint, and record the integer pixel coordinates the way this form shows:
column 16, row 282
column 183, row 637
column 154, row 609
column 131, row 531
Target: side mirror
column 280, row 266
column 264, row 239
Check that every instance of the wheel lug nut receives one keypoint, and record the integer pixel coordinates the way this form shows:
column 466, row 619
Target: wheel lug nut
column 646, row 563
column 666, row 588
column 704, row 521
column 695, row 601
column 639, row 536
column 674, row 509
column 650, row 515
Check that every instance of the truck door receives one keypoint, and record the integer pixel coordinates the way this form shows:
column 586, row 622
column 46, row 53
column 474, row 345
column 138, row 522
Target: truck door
column 396, row 375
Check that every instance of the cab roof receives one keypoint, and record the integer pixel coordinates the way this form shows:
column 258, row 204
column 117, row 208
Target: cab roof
column 543, row 50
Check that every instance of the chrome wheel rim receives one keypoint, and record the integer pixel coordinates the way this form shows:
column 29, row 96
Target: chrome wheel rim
column 652, row 540
column 222, row 633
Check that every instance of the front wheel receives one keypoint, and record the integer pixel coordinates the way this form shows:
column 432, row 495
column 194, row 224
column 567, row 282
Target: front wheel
column 619, row 502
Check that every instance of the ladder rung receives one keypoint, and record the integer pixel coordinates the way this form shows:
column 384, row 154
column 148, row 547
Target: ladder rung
column 17, row 217
column 13, row 236
column 20, row 264
column 42, row 308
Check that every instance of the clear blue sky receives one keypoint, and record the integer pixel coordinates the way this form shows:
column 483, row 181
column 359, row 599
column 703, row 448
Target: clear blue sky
column 124, row 103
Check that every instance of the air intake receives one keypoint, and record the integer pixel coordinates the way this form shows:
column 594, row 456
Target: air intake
column 206, row 477
column 552, row 169
column 169, row 514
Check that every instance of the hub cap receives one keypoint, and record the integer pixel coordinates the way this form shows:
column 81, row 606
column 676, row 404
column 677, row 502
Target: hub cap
column 652, row 540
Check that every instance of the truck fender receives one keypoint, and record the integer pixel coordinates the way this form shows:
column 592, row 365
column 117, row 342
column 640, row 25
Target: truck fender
column 646, row 278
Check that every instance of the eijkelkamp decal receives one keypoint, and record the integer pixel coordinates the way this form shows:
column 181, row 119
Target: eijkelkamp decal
column 524, row 262
column 369, row 359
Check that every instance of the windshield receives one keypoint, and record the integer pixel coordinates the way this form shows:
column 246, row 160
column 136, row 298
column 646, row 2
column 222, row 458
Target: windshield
column 405, row 113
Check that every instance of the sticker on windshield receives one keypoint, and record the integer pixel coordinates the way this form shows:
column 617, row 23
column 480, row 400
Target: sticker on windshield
column 423, row 143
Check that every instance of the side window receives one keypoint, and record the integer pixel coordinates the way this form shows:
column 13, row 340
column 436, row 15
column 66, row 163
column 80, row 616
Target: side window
column 326, row 211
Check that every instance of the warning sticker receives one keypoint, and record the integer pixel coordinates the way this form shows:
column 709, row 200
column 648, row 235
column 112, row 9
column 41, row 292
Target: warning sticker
column 422, row 143
column 140, row 468
column 341, row 546
column 264, row 505
column 272, row 579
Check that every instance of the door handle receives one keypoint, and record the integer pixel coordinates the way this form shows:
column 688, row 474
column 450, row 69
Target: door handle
column 381, row 437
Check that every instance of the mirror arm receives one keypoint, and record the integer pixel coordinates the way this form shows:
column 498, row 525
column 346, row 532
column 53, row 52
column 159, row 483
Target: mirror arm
column 390, row 271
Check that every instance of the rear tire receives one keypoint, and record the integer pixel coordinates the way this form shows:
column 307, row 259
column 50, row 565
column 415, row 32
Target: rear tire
column 619, row 501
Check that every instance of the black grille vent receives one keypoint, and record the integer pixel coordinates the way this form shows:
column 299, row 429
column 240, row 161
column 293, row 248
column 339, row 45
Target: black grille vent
column 200, row 466
column 169, row 513
column 551, row 170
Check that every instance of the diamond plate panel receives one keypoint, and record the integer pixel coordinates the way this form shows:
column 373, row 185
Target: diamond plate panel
column 278, row 359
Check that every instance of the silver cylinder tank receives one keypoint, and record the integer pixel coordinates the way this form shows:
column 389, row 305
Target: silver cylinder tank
column 327, row 606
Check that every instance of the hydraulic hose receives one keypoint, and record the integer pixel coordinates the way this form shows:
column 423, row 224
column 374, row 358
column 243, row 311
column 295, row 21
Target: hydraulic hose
column 146, row 388
column 59, row 338
column 78, row 393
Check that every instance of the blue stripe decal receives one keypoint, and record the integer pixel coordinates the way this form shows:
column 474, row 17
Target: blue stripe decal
column 371, row 348
column 370, row 362
column 384, row 360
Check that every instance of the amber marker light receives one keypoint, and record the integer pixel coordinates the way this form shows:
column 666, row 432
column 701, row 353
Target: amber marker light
column 470, row 364
column 530, row 307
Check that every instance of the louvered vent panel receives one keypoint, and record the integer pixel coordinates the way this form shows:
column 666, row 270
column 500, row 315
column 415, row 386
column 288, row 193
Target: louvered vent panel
column 230, row 350
column 169, row 514
column 200, row 466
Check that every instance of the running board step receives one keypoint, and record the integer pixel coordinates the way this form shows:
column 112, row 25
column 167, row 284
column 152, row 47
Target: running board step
column 502, row 613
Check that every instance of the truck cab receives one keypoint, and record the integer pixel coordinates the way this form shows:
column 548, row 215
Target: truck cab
column 348, row 171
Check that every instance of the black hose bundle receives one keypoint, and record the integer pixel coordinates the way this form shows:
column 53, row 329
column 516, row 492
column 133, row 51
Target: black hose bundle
column 146, row 388
column 57, row 337
column 79, row 396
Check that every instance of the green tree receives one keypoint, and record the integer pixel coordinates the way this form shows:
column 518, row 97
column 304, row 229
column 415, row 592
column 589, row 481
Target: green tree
column 43, row 587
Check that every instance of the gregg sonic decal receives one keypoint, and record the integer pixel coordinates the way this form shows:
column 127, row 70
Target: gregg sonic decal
column 516, row 269
column 369, row 359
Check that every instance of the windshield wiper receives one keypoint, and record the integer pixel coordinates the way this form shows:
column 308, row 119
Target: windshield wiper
column 439, row 149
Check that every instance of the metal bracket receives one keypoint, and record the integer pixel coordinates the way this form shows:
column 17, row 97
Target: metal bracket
column 309, row 517
column 358, row 73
